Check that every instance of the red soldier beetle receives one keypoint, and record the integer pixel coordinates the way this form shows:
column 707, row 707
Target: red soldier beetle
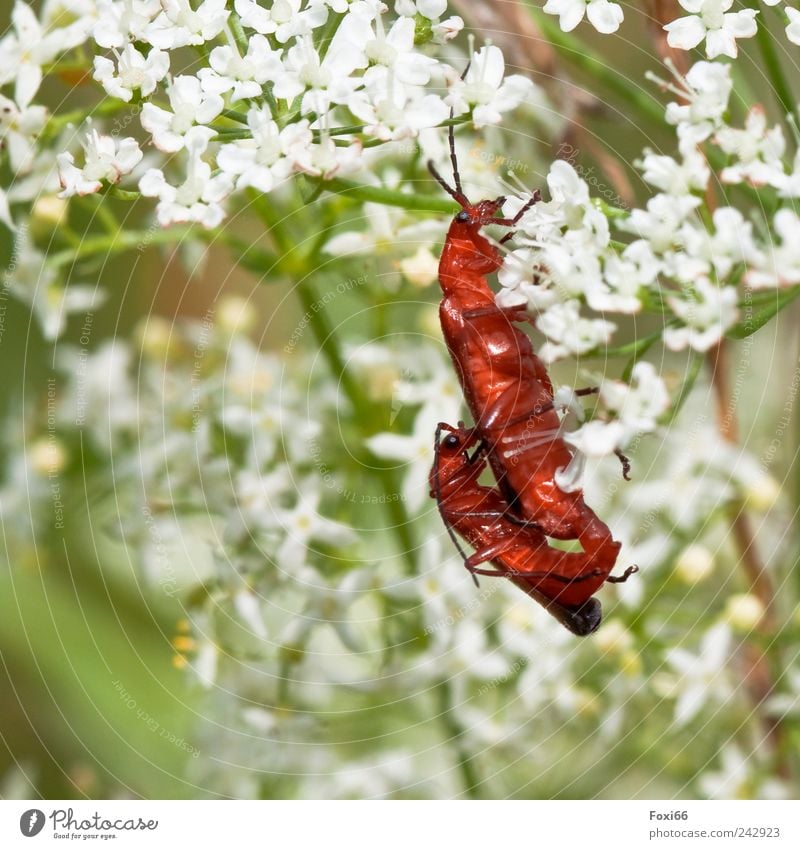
column 507, row 387
column 518, row 550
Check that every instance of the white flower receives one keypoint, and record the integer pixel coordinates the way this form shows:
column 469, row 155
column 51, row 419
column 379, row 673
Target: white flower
column 388, row 229
column 447, row 30
column 707, row 312
column 733, row 778
column 393, row 50
column 624, row 276
column 123, row 21
column 179, row 24
column 303, row 524
column 780, row 263
column 396, row 111
column 283, row 18
column 198, row 198
column 28, row 46
column 19, row 128
column 569, row 333
column 415, row 449
column 640, row 403
column 258, row 161
column 731, row 243
column 320, row 81
column 691, row 174
column 421, row 269
column 604, row 16
column 244, row 74
column 711, row 20
column 431, row 9
column 702, row 677
column 190, row 106
column 793, row 27
column 133, row 72
column 484, row 91
column 322, row 158
column 660, row 224
column 636, row 406
column 759, row 150
column 704, row 98
column 105, row 160
column 32, row 282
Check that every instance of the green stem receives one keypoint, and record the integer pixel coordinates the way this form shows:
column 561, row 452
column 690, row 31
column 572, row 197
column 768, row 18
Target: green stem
column 686, row 388
column 750, row 324
column 772, row 62
column 389, row 197
column 455, row 736
column 106, row 107
column 302, row 271
column 122, row 240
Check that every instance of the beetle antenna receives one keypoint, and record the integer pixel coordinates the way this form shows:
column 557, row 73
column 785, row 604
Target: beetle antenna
column 451, row 141
column 457, row 196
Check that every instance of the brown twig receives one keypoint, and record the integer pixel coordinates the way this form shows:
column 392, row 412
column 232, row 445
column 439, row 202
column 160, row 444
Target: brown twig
column 758, row 677
column 662, row 12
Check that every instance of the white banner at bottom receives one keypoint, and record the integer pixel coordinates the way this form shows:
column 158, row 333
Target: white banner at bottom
column 402, row 824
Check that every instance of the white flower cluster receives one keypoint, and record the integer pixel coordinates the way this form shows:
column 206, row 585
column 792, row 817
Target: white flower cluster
column 712, row 22
column 604, row 16
column 297, row 86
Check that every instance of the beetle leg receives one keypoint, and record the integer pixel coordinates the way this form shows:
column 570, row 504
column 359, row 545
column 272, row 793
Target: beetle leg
column 620, row 579
column 511, row 313
column 489, row 552
column 626, row 464
column 550, row 576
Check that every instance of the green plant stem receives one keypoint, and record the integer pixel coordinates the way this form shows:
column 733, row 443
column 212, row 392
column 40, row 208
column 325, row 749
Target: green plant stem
column 772, row 62
column 455, row 736
column 389, row 197
column 325, row 336
column 758, row 678
column 118, row 242
column 108, row 106
column 751, row 324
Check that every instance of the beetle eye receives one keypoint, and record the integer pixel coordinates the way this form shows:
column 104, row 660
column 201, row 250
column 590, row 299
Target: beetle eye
column 451, row 441
column 463, row 217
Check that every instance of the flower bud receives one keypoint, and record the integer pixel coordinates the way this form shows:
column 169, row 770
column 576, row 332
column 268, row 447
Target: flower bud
column 48, row 456
column 47, row 214
column 236, row 314
column 613, row 637
column 744, row 611
column 421, row 269
column 155, row 335
column 762, row 493
column 694, row 564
